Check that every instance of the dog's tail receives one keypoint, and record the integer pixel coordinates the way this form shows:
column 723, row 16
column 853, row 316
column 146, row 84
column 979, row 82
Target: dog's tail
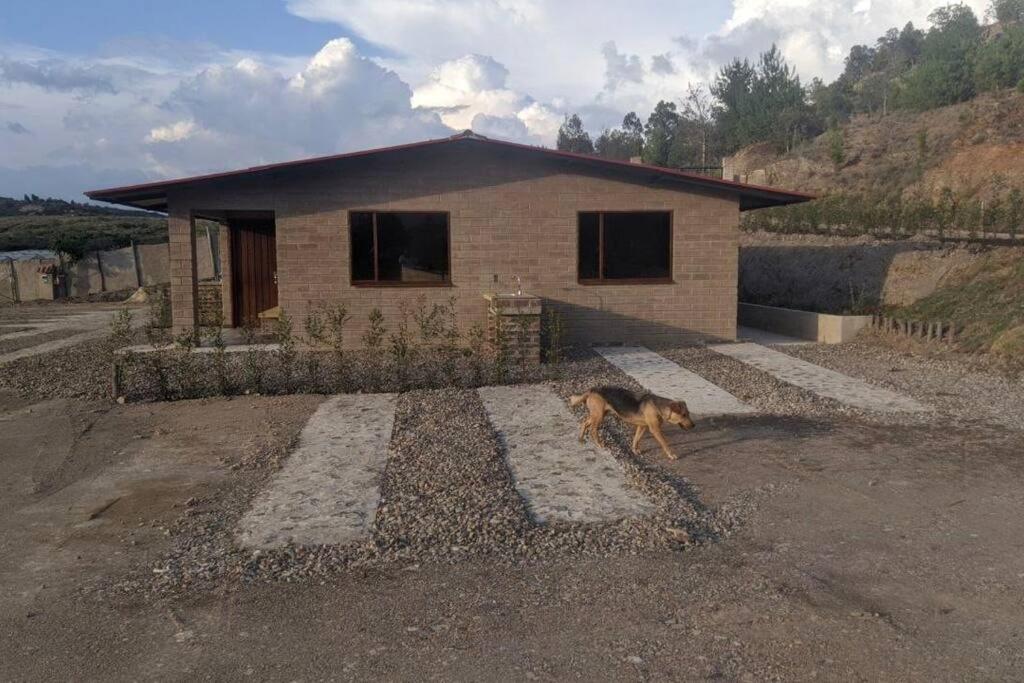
column 577, row 399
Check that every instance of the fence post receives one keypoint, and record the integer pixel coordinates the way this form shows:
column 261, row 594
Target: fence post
column 103, row 278
column 15, row 289
column 138, row 266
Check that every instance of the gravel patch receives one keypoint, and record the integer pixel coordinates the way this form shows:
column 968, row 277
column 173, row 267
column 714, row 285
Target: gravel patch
column 447, row 496
column 768, row 393
column 8, row 345
column 963, row 392
column 773, row 396
column 78, row 371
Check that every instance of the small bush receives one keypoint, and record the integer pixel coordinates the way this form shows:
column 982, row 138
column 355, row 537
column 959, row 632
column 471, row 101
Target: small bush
column 121, row 333
column 284, row 337
column 892, row 214
column 375, row 332
column 255, row 363
column 552, row 336
column 174, row 370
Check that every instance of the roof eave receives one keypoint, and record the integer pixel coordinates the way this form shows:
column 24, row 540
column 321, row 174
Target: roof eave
column 153, row 196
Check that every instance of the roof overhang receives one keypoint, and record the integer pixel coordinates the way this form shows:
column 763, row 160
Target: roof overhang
column 153, row 196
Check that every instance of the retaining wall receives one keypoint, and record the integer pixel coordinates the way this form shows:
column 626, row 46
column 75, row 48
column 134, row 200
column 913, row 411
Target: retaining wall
column 839, row 274
column 820, row 327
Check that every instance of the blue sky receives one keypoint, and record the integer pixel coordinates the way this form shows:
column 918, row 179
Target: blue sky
column 102, row 92
column 86, row 26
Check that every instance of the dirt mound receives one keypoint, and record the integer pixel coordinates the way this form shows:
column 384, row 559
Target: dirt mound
column 973, row 170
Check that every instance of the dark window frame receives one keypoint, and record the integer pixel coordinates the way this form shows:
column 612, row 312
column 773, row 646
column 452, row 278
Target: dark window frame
column 377, row 282
column 601, row 279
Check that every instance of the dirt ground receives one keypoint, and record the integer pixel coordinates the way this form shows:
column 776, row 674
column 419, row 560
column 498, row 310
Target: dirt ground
column 874, row 552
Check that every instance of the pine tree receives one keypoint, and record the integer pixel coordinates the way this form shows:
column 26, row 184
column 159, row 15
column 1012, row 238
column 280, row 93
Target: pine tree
column 573, row 138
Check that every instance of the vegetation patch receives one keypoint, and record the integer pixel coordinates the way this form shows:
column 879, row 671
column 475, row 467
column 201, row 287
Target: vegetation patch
column 987, row 301
column 79, row 233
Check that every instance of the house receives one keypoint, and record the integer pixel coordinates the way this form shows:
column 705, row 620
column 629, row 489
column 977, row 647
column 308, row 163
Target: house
column 625, row 252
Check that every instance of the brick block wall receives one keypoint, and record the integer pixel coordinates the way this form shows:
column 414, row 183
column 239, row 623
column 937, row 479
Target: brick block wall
column 511, row 214
column 513, row 323
column 209, row 303
column 182, row 266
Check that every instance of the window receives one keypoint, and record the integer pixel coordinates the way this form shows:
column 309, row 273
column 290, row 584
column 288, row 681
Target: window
column 626, row 246
column 399, row 248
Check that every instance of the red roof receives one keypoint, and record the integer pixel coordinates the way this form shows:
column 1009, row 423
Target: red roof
column 153, row 195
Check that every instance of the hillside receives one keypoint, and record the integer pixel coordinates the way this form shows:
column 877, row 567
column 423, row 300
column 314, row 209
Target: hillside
column 93, row 232
column 34, row 222
column 987, row 298
column 975, row 148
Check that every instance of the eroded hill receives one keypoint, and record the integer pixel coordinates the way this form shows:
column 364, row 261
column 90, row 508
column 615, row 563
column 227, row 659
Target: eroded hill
column 976, row 149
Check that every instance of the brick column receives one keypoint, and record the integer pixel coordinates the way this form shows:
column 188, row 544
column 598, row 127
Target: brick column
column 182, row 247
column 225, row 274
column 517, row 318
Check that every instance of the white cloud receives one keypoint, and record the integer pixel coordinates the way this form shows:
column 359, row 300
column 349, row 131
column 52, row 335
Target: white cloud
column 814, row 35
column 542, row 120
column 620, row 68
column 175, row 132
column 339, row 101
column 471, row 92
column 662, row 64
column 58, row 75
column 506, row 68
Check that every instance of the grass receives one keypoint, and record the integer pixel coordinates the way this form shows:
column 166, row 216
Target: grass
column 987, row 299
column 99, row 232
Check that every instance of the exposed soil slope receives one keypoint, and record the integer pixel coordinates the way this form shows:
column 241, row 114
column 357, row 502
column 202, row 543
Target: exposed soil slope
column 972, row 148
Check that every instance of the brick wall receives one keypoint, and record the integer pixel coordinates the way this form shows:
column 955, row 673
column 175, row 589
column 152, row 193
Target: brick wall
column 511, row 214
column 209, row 302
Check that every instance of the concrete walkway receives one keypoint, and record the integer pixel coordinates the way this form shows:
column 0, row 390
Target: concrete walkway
column 328, row 490
column 661, row 376
column 560, row 479
column 822, row 381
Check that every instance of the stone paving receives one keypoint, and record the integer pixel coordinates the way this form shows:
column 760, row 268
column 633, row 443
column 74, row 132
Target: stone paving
column 822, row 381
column 560, row 479
column 661, row 376
column 328, row 490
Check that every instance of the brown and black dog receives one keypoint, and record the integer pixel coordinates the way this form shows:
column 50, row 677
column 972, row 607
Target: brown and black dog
column 645, row 411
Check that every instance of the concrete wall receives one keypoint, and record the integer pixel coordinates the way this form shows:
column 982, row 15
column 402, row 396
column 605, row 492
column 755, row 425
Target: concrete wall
column 104, row 271
column 153, row 263
column 819, row 327
column 840, row 274
column 22, row 281
column 511, row 214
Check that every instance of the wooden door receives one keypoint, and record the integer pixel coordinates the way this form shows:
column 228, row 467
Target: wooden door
column 253, row 269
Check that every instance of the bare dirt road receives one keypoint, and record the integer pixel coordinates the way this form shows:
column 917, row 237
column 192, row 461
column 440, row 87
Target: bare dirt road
column 872, row 552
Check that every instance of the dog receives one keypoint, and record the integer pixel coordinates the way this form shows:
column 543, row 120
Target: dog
column 645, row 411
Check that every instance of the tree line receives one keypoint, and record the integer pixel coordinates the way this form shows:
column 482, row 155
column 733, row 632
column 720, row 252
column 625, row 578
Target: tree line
column 765, row 101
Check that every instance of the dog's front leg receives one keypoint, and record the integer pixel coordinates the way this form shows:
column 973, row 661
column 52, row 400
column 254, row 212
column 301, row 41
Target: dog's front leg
column 637, row 436
column 584, row 426
column 656, row 433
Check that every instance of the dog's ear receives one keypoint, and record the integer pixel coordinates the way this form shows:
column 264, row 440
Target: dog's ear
column 678, row 407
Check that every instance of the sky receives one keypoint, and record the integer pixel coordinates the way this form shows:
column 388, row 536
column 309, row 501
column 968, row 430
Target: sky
column 109, row 92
